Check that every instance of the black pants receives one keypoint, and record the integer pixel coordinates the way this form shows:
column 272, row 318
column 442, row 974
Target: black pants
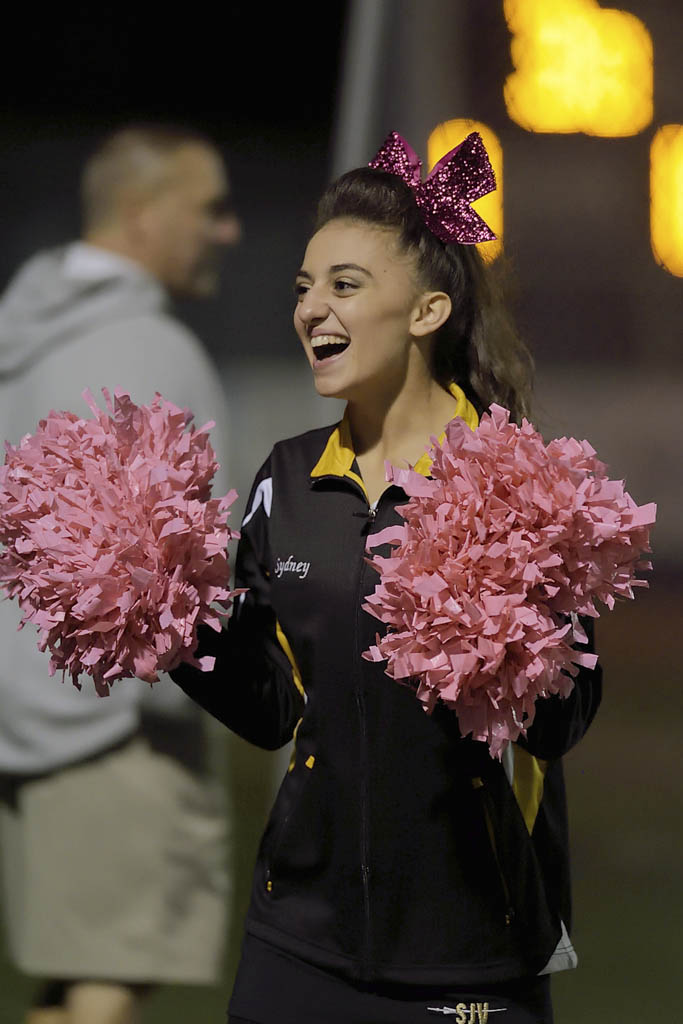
column 273, row 987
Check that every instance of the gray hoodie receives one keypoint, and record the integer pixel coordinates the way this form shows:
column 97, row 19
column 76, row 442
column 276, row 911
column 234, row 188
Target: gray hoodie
column 73, row 318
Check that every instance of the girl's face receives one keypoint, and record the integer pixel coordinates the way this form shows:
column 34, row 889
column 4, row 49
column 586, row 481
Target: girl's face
column 356, row 297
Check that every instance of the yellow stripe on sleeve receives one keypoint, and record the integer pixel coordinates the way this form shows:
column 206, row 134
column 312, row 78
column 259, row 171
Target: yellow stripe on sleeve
column 284, row 644
column 528, row 782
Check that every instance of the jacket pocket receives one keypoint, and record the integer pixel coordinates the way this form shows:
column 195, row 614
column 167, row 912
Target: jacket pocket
column 285, row 819
column 492, row 827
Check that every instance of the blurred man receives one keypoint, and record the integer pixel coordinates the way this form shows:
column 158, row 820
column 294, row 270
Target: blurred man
column 111, row 817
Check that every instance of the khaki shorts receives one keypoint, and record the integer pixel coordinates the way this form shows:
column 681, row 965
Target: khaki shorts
column 115, row 869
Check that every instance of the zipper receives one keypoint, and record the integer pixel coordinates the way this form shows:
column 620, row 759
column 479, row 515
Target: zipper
column 364, row 825
column 275, row 846
column 478, row 784
column 366, row 946
column 369, row 514
column 278, row 839
column 275, row 849
column 364, row 839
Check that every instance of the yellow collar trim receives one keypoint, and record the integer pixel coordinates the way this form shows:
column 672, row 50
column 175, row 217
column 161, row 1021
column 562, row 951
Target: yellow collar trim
column 338, row 457
column 466, row 411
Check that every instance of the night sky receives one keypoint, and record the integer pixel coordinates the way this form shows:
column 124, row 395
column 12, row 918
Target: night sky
column 241, row 65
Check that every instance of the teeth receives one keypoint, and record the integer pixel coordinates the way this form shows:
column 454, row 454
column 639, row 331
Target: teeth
column 327, row 345
column 328, row 339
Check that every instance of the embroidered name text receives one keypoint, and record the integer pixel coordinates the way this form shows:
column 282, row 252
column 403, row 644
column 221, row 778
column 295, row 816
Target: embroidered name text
column 299, row 569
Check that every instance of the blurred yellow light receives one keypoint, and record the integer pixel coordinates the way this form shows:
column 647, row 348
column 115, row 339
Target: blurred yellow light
column 580, row 68
column 450, row 134
column 666, row 197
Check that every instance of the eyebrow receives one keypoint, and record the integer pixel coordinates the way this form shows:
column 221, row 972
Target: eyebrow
column 336, row 268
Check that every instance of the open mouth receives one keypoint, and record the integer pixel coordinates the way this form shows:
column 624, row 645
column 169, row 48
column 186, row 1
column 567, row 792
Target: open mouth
column 327, row 345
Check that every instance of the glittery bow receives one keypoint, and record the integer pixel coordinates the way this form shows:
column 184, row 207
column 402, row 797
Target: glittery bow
column 444, row 198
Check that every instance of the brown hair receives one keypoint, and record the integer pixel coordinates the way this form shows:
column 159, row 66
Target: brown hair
column 134, row 158
column 477, row 347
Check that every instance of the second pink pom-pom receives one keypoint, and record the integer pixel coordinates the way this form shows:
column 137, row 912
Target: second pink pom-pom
column 507, row 543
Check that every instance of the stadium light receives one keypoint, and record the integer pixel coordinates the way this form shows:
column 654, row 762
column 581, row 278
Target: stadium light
column 579, row 68
column 666, row 197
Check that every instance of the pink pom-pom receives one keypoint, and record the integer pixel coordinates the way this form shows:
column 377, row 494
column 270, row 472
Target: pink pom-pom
column 507, row 543
column 114, row 548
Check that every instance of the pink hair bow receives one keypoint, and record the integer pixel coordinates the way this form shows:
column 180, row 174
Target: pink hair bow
column 444, row 197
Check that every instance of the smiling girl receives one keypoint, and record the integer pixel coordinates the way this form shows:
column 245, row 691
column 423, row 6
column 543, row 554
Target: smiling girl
column 404, row 874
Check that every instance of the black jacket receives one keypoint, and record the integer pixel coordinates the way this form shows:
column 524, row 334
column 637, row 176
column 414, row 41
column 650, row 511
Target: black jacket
column 396, row 849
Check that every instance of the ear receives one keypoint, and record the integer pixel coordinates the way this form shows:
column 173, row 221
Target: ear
column 431, row 311
column 147, row 211
column 135, row 216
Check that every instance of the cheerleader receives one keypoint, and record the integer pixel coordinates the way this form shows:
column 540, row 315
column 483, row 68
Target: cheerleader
column 404, row 875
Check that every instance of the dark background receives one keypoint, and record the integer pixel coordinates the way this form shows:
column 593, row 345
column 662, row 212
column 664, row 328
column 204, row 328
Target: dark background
column 259, row 81
column 603, row 319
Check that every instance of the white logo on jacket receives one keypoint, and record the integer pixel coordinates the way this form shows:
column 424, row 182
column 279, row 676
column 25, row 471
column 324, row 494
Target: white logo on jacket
column 299, row 569
column 263, row 495
column 467, row 1013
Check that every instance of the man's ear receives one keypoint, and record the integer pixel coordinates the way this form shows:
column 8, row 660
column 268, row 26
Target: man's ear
column 430, row 312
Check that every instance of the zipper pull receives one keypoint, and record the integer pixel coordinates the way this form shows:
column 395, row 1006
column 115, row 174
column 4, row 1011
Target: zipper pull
column 370, row 514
